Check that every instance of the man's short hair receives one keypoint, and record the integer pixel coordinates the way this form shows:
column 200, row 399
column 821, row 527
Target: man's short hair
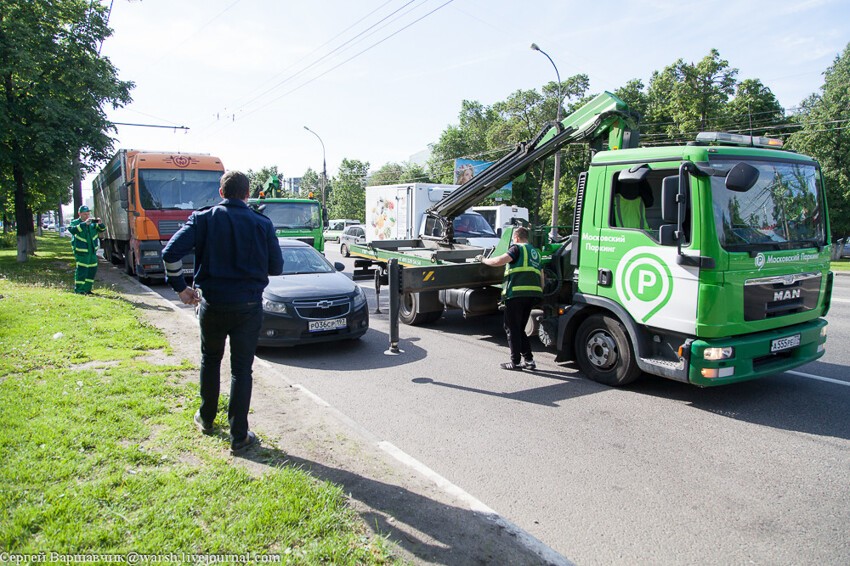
column 521, row 233
column 235, row 184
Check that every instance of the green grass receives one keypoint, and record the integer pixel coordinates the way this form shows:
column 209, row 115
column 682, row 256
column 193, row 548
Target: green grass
column 840, row 264
column 98, row 452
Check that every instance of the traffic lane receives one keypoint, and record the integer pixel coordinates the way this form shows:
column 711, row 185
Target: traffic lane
column 548, row 447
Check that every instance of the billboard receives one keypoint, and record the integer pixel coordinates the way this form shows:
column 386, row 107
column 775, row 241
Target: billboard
column 466, row 169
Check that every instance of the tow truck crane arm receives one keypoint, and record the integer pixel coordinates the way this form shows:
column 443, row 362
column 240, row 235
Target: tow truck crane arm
column 605, row 114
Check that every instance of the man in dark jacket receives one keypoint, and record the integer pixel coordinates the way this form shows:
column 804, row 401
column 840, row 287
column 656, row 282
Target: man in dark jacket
column 235, row 251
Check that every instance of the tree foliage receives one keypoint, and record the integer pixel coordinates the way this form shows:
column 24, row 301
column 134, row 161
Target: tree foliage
column 348, row 199
column 825, row 135
column 53, row 89
column 395, row 173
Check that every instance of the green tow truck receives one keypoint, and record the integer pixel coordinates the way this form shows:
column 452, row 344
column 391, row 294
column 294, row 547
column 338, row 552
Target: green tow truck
column 706, row 263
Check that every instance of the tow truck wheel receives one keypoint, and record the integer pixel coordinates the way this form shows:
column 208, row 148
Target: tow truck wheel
column 604, row 353
column 409, row 310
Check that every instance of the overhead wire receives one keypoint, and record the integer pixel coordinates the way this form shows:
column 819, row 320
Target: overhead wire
column 325, row 56
column 359, row 53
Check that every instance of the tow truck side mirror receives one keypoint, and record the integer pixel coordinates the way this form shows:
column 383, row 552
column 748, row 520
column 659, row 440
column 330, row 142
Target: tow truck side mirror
column 742, row 177
column 669, row 206
column 667, row 235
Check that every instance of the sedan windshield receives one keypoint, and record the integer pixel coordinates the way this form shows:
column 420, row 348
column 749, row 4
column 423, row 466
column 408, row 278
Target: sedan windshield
column 781, row 211
column 304, row 260
column 178, row 189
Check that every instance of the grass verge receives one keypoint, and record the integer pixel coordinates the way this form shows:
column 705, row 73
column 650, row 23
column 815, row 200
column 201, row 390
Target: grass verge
column 99, row 454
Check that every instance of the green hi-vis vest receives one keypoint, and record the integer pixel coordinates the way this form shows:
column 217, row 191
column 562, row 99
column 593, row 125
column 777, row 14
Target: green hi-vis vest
column 630, row 213
column 522, row 276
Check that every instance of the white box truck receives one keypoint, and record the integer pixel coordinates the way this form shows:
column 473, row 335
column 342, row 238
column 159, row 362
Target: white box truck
column 397, row 212
column 501, row 215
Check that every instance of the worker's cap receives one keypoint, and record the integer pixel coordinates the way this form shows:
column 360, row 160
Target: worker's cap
column 84, row 208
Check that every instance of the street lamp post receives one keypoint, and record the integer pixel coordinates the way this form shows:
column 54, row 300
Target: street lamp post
column 324, row 166
column 556, row 182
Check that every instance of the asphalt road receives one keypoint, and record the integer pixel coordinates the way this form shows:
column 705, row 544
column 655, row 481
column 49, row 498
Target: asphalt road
column 659, row 473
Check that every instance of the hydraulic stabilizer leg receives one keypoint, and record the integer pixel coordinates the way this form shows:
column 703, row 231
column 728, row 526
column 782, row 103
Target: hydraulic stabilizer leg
column 395, row 300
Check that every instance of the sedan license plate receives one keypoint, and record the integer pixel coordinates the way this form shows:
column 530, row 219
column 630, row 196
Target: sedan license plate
column 322, row 325
column 785, row 343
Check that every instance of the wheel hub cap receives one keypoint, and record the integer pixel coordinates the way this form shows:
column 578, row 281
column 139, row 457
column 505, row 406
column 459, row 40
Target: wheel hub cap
column 601, row 350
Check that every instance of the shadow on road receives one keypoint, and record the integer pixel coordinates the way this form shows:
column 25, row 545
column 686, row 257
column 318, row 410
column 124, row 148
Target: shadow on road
column 433, row 532
column 783, row 401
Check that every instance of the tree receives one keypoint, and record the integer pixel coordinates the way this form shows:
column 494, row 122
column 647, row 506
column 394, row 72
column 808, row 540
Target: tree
column 825, row 135
column 686, row 98
column 310, row 184
column 348, row 199
column 53, row 87
column 754, row 110
column 395, row 173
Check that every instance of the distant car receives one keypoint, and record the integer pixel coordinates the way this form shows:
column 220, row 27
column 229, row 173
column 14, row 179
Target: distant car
column 336, row 227
column 312, row 301
column 351, row 235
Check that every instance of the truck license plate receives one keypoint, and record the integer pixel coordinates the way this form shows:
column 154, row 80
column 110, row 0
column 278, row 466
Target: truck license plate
column 322, row 325
column 785, row 343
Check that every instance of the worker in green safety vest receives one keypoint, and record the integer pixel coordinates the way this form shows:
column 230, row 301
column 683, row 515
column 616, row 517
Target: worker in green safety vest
column 521, row 290
column 630, row 202
column 84, row 232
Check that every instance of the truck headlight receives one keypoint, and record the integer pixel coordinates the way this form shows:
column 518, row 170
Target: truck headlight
column 274, row 306
column 715, row 354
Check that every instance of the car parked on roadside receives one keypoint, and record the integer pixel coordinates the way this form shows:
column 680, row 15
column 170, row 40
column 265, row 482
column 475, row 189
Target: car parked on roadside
column 311, row 301
column 336, row 227
column 351, row 235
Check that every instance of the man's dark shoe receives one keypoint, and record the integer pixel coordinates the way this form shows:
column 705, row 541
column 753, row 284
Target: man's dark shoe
column 242, row 445
column 511, row 366
column 529, row 364
column 203, row 427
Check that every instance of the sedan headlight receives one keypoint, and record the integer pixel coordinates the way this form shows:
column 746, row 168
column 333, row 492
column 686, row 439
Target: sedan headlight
column 274, row 306
column 359, row 297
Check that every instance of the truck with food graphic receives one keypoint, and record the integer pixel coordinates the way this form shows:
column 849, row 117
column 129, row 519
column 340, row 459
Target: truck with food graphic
column 397, row 212
column 706, row 263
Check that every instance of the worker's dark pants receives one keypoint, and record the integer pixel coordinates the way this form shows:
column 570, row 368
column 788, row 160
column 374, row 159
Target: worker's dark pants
column 241, row 322
column 517, row 311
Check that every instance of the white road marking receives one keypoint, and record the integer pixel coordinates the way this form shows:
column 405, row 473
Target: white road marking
column 527, row 540
column 819, row 378
column 841, row 300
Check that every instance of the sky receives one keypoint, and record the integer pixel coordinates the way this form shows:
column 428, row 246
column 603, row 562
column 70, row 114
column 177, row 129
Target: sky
column 379, row 80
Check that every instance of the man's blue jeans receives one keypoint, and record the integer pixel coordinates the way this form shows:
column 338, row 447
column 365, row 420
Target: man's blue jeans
column 241, row 322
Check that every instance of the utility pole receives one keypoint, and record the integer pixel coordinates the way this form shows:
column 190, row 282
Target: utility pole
column 324, row 167
column 556, row 182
